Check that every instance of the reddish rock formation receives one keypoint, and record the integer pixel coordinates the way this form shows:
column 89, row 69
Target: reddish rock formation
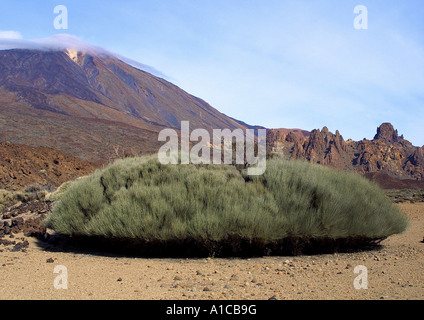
column 388, row 154
column 387, row 133
column 323, row 147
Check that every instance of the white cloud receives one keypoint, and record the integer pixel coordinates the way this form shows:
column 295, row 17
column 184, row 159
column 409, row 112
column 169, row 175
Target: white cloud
column 10, row 35
column 60, row 42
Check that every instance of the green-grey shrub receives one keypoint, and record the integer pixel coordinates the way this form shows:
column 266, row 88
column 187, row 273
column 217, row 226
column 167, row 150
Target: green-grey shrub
column 139, row 198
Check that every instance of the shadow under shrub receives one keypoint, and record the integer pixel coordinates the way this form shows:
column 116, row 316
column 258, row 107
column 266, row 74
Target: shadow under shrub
column 187, row 210
column 229, row 247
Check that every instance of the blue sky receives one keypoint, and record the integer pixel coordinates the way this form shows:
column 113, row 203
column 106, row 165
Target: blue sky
column 291, row 64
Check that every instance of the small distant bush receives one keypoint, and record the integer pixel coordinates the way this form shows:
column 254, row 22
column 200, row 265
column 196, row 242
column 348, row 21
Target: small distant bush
column 6, row 197
column 405, row 195
column 141, row 200
column 55, row 195
column 32, row 192
column 33, row 188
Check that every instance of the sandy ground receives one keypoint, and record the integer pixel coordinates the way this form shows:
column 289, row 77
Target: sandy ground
column 394, row 272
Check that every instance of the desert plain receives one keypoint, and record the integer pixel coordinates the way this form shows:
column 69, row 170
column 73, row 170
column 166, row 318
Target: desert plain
column 394, row 271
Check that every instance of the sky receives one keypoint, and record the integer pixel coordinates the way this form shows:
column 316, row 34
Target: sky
column 275, row 63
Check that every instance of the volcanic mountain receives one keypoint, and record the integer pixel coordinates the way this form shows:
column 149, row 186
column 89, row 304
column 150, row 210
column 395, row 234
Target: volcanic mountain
column 92, row 105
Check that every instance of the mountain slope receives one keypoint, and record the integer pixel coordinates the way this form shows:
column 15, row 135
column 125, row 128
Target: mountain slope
column 22, row 166
column 67, row 98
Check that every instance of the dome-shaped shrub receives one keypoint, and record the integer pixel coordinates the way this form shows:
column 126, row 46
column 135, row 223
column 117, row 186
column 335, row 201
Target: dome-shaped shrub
column 220, row 209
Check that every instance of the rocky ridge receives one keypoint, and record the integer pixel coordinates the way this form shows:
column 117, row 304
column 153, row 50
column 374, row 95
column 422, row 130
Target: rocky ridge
column 387, row 154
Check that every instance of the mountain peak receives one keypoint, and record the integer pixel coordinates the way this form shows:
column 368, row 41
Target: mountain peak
column 70, row 45
column 66, row 42
column 387, row 132
column 73, row 54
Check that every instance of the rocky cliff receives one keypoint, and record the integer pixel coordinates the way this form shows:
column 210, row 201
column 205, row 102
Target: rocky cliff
column 387, row 154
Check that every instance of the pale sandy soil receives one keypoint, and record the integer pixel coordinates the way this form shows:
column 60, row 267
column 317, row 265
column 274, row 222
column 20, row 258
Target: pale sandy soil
column 394, row 272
